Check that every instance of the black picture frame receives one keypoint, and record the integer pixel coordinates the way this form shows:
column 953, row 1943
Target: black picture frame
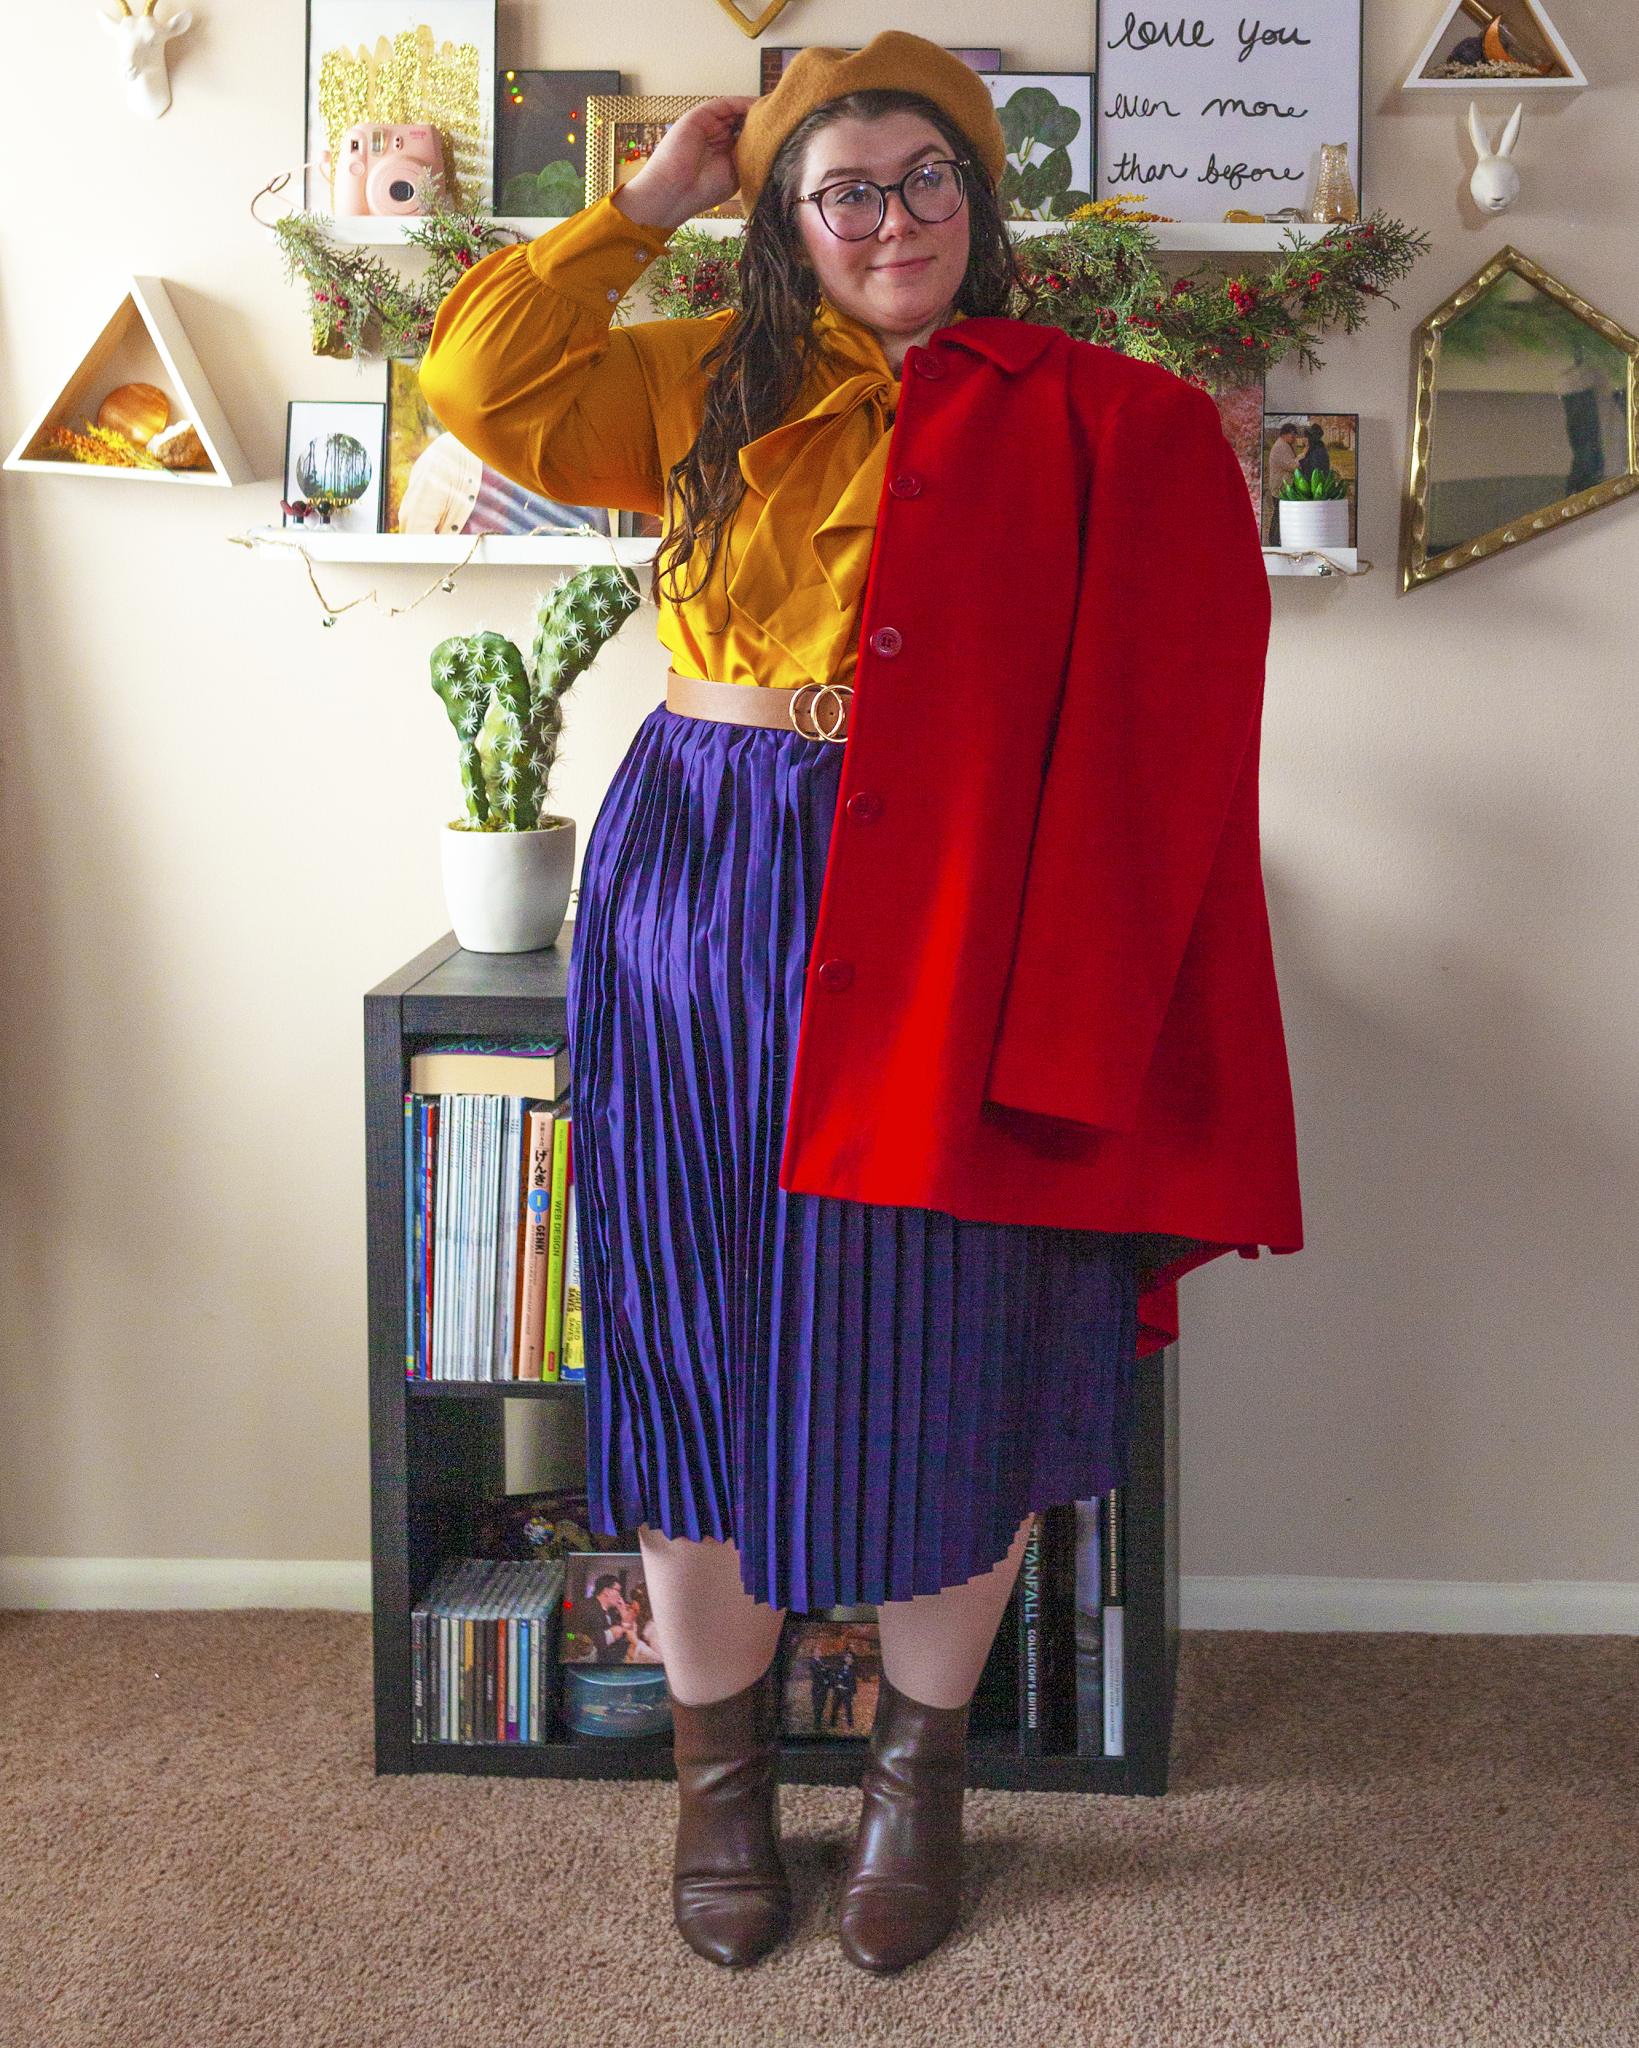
column 536, row 113
column 774, row 58
column 338, row 415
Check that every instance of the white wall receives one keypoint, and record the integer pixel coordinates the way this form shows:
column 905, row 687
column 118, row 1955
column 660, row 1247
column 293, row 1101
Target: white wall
column 218, row 829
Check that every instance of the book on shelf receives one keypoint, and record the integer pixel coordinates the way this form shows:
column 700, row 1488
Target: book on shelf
column 482, row 1652
column 1089, row 1628
column 1047, row 1651
column 468, row 1066
column 488, row 1195
column 1113, row 1563
column 573, row 1369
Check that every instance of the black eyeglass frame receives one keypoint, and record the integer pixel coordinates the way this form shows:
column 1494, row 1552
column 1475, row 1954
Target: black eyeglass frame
column 884, row 192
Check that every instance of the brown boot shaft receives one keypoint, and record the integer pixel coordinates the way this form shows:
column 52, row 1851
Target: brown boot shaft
column 904, row 1883
column 730, row 1896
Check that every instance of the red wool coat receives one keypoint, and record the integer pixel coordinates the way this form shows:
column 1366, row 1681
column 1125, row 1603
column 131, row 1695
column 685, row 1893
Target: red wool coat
column 1041, row 989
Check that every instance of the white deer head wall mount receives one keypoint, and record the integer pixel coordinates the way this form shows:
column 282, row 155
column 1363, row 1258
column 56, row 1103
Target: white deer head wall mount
column 141, row 39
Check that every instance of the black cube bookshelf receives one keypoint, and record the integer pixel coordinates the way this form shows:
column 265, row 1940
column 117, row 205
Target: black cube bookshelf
column 437, row 1449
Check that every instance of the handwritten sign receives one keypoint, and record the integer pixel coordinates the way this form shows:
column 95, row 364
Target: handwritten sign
column 1225, row 105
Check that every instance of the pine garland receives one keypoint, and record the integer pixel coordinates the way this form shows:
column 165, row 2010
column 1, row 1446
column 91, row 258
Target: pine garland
column 358, row 303
column 1099, row 281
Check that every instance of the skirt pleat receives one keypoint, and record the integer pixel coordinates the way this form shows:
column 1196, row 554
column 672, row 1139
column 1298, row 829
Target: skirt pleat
column 866, row 1400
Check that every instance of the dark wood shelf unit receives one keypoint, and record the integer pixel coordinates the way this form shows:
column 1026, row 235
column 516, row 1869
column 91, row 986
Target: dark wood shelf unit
column 437, row 1448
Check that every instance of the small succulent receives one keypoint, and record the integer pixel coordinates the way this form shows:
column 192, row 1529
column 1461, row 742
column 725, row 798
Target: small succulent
column 1324, row 484
column 508, row 714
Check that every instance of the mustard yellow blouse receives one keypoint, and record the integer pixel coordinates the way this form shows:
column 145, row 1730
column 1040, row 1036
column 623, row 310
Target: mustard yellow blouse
column 526, row 371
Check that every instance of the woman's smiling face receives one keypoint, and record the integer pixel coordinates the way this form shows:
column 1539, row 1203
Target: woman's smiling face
column 901, row 281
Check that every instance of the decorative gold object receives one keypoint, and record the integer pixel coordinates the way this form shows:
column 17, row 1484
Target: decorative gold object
column 1527, row 416
column 623, row 128
column 137, row 411
column 769, row 15
column 1334, row 198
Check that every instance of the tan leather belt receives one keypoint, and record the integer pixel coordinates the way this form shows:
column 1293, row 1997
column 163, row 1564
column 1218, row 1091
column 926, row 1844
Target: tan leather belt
column 818, row 711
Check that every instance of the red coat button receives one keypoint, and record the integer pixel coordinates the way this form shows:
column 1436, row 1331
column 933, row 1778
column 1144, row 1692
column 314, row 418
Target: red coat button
column 864, row 809
column 905, row 486
column 929, row 366
column 887, row 641
column 836, row 975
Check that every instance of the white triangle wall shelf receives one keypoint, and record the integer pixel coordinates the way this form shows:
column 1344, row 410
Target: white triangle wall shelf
column 117, row 355
column 1535, row 37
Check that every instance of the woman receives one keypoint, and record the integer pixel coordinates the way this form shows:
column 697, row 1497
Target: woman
column 895, row 1060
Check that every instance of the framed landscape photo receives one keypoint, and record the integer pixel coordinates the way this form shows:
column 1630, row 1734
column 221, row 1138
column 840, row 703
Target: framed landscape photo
column 1300, row 443
column 540, row 140
column 1047, row 125
column 435, row 485
column 333, row 462
column 403, row 63
column 775, row 59
column 624, row 130
column 1221, row 110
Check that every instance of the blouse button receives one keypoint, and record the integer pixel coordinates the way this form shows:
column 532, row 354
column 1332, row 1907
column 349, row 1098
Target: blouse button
column 642, row 255
column 929, row 366
column 865, row 808
column 612, row 296
column 905, row 486
column 887, row 641
column 836, row 975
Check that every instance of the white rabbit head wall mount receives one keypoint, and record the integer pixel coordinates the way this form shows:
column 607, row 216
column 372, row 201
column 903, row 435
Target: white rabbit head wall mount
column 1495, row 183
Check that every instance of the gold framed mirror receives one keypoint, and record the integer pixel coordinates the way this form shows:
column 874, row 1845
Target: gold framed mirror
column 1527, row 416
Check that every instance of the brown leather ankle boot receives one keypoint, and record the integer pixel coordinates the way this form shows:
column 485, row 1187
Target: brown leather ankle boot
column 730, row 1896
column 905, row 1880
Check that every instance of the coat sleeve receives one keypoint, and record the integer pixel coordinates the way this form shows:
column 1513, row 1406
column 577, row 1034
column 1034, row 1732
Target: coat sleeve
column 1162, row 693
column 525, row 370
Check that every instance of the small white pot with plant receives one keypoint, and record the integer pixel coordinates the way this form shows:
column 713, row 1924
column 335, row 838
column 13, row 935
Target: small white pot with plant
column 509, row 863
column 1314, row 510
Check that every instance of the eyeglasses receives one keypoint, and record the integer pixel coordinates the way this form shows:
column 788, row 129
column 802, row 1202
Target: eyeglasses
column 854, row 210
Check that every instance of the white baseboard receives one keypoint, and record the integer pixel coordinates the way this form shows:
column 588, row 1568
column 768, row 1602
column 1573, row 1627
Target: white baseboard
column 154, row 1582
column 1571, row 1607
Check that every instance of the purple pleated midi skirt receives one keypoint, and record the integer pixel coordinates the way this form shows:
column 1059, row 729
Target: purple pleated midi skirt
column 866, row 1400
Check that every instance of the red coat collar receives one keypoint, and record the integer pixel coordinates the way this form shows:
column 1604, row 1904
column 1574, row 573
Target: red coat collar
column 1012, row 345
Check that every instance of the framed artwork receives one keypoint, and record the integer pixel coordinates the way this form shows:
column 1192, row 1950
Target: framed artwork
column 624, row 132
column 1222, row 110
column 607, row 1618
column 1047, row 124
column 774, row 62
column 1298, row 444
column 402, row 63
column 435, row 485
column 540, row 140
column 833, row 1673
column 333, row 462
column 1240, row 408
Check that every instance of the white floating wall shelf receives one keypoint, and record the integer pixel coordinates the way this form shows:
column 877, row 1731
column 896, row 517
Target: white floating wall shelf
column 1533, row 31
column 144, row 314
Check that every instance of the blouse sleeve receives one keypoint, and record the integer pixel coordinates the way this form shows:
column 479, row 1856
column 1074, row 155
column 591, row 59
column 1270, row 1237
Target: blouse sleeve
column 525, row 370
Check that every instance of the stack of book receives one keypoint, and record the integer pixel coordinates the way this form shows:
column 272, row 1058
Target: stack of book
column 482, row 1652
column 1071, row 1615
column 491, row 1254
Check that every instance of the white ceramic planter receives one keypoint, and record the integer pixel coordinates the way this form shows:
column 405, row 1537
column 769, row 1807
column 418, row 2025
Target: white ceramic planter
column 1322, row 523
column 507, row 891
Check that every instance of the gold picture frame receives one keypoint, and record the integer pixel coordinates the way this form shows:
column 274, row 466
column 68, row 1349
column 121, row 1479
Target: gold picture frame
column 614, row 120
column 1422, row 563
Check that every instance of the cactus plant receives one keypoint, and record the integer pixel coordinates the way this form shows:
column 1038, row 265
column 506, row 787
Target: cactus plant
column 508, row 714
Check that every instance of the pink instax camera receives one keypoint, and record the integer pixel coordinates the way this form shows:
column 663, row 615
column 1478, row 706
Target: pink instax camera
column 384, row 169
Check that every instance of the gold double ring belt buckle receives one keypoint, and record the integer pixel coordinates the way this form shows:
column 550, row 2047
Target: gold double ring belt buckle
column 819, row 711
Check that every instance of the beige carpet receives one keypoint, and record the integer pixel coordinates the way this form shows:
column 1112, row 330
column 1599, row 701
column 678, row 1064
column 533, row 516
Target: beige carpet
column 1373, row 1841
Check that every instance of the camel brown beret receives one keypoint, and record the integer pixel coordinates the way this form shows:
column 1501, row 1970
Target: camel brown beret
column 900, row 62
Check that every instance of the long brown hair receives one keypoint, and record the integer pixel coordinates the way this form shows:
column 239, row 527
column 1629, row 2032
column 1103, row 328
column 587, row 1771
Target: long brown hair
column 760, row 366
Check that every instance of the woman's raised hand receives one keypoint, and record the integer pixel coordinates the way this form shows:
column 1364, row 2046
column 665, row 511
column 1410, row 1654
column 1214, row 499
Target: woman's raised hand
column 693, row 169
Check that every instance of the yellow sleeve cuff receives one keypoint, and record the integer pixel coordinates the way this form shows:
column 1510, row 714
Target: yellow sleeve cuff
column 596, row 257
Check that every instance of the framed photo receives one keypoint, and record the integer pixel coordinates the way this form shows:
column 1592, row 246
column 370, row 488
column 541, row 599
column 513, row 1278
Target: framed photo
column 540, row 140
column 333, row 461
column 1047, row 124
column 607, row 1618
column 434, row 485
column 1225, row 110
column 1299, row 443
column 402, row 63
column 774, row 62
column 833, row 1672
column 624, row 132
column 1240, row 408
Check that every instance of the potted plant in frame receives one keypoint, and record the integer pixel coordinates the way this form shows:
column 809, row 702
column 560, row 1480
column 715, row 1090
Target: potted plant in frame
column 1314, row 510
column 508, row 864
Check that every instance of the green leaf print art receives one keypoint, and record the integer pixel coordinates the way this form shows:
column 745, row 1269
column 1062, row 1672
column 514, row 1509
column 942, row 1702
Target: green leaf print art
column 1048, row 142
